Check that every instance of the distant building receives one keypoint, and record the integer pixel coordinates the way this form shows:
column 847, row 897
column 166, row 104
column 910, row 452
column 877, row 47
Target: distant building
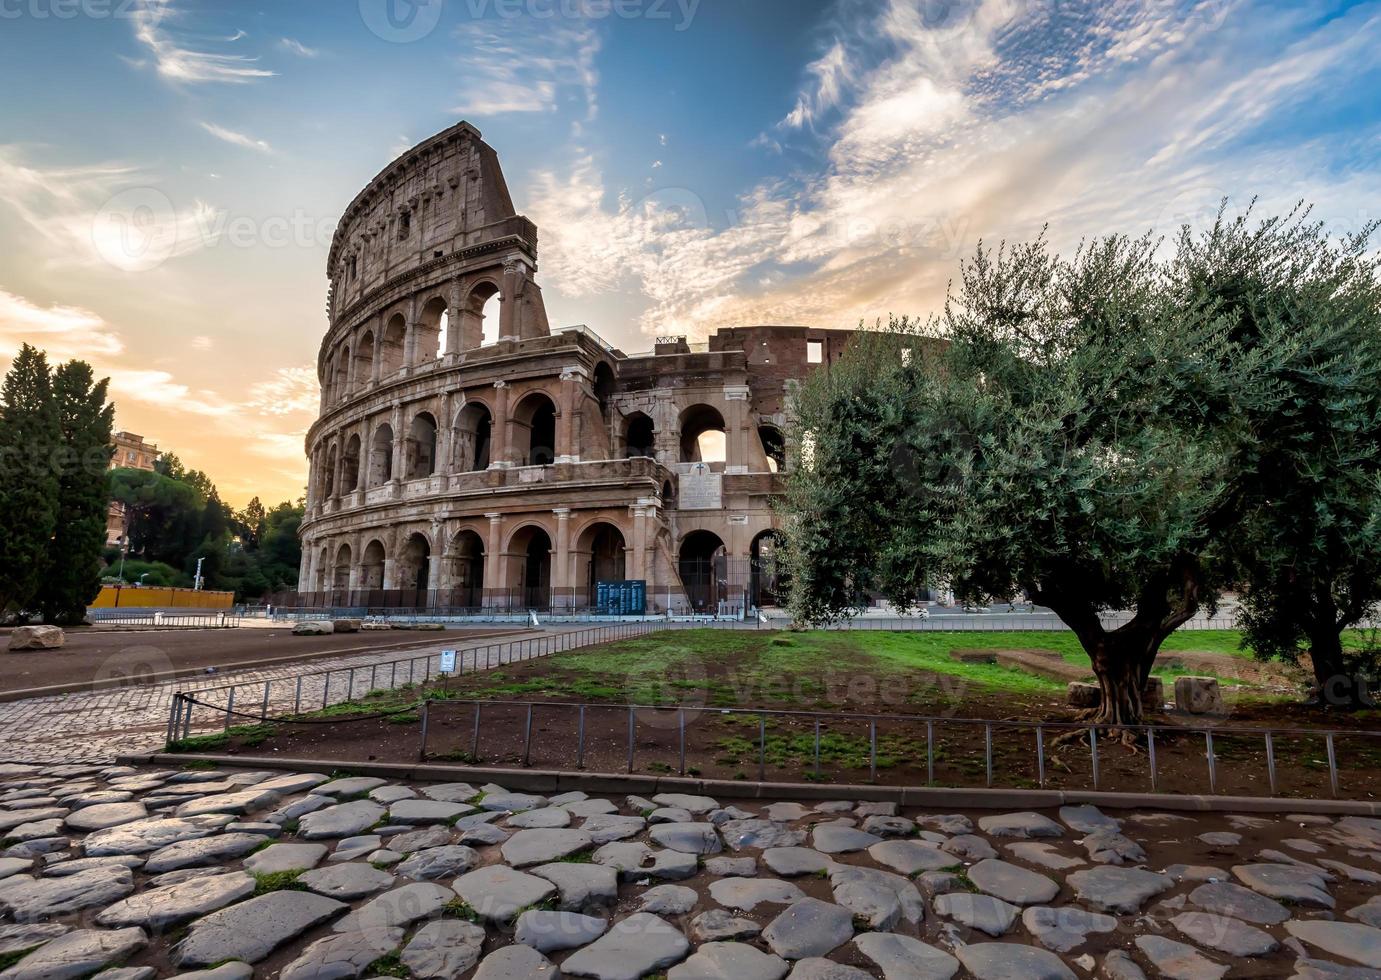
column 131, row 452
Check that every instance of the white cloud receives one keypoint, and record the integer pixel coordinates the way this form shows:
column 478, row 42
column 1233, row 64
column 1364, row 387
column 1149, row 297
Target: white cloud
column 64, row 331
column 291, row 390
column 202, row 343
column 176, row 61
column 236, row 139
column 298, row 48
column 526, row 65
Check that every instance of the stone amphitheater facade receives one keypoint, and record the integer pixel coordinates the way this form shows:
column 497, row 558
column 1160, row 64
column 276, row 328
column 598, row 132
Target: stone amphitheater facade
column 521, row 466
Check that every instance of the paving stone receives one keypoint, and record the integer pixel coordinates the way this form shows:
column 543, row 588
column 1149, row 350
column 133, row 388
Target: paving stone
column 351, row 848
column 905, row 958
column 1002, row 961
column 1360, row 875
column 746, row 894
column 444, row 949
column 581, row 886
column 13, row 866
column 399, row 907
column 688, row 838
column 971, row 847
column 349, row 786
column 792, row 862
column 438, row 862
column 1349, row 940
column 24, row 937
column 347, row 882
column 946, row 823
column 717, row 960
column 300, row 808
column 788, row 812
column 1065, row 928
column 388, row 795
column 450, row 792
column 742, row 835
column 1011, row 883
column 293, row 782
column 81, row 799
column 254, row 928
column 36, row 830
column 8, row 821
column 1231, row 936
column 815, row 968
column 606, row 828
column 670, row 814
column 1025, row 824
column 727, row 867
column 426, row 811
column 38, row 848
column 1118, row 965
column 245, row 801
column 562, row 799
column 727, row 813
column 1119, row 890
column 1221, row 839
column 185, row 874
column 588, row 808
column 158, row 908
column 342, row 957
column 498, row 893
column 419, row 840
column 516, row 963
column 263, row 828
column 809, row 928
column 1286, row 883
column 1369, row 913
column 982, row 912
column 511, row 802
column 226, row 971
column 341, row 820
column 721, row 925
column 103, row 815
column 127, row 973
column 879, row 897
column 543, row 818
column 143, row 836
column 933, row 883
column 32, row 899
column 202, row 852
column 285, row 857
column 79, row 953
column 670, row 900
column 549, row 932
column 839, row 838
column 1043, row 855
column 1088, row 819
column 1179, row 961
column 1311, row 969
column 1231, row 899
column 634, row 947
column 530, row 847
column 695, row 804
column 1303, row 846
column 889, row 826
column 1196, row 872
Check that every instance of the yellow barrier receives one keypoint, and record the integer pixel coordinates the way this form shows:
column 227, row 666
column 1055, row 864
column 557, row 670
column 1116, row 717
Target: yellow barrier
column 157, row 597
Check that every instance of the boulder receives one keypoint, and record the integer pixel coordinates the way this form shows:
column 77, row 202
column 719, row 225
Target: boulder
column 36, row 638
column 1198, row 695
column 1153, row 694
column 346, row 625
column 314, row 627
column 1081, row 695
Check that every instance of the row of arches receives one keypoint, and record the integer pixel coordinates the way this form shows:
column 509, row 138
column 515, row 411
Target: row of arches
column 703, row 438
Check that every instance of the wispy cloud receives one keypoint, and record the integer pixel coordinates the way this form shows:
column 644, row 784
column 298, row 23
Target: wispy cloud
column 236, row 139
column 526, row 65
column 298, row 48
column 64, row 331
column 176, row 59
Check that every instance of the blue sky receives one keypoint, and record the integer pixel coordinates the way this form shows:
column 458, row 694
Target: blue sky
column 690, row 163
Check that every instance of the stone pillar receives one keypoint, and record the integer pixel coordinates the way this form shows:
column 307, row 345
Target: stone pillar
column 508, row 305
column 736, row 429
column 399, row 442
column 567, row 435
column 377, row 365
column 667, row 435
column 562, row 578
column 493, row 563
column 499, row 435
column 390, row 573
column 638, row 570
column 445, row 435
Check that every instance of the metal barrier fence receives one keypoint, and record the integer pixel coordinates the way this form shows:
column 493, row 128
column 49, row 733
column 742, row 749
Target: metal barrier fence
column 339, row 684
column 164, row 620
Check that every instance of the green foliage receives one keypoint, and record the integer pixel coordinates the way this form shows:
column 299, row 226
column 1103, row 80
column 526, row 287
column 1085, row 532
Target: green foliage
column 147, row 572
column 277, row 881
column 30, row 439
column 85, row 420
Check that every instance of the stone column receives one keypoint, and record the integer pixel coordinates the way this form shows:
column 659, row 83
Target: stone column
column 377, row 365
column 390, row 573
column 511, row 292
column 499, row 435
column 667, row 435
column 562, row 579
column 567, row 436
column 399, row 442
column 736, row 429
column 639, row 566
column 445, row 435
column 493, row 563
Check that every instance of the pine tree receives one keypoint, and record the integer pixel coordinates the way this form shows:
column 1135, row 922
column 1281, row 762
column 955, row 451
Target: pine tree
column 85, row 420
column 29, row 443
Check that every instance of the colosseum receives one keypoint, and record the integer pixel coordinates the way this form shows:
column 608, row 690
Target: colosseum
column 469, row 456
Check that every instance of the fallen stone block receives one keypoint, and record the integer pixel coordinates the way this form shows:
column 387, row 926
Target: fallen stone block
column 1198, row 695
column 36, row 638
column 314, row 627
column 1083, row 695
column 347, row 625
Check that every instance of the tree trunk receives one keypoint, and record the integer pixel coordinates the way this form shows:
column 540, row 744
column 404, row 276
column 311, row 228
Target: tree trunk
column 1117, row 663
column 1334, row 687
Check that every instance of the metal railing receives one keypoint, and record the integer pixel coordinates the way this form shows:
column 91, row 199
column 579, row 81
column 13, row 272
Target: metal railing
column 160, row 619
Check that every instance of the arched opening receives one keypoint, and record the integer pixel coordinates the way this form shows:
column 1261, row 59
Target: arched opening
column 702, row 435
column 529, row 562
column 600, row 556
column 640, row 438
column 768, row 584
column 381, row 456
column 473, row 426
column 669, row 495
column 467, row 550
column 331, row 472
column 414, row 571
column 323, row 571
column 350, row 465
column 364, row 360
column 421, row 447
column 704, row 570
column 427, row 345
column 391, row 346
column 372, row 566
column 480, row 316
column 773, row 447
column 343, row 375
column 489, row 319
column 604, row 388
column 340, row 575
column 534, row 431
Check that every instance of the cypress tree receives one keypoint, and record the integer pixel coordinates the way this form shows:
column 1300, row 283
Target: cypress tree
column 85, row 420
column 29, row 445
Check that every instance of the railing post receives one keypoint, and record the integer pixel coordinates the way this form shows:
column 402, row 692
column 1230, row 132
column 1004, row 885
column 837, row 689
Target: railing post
column 681, row 724
column 264, row 705
column 817, row 748
column 872, row 750
column 1212, row 762
column 229, row 707
column 930, row 753
column 1151, row 754
column 762, row 748
column 475, row 747
column 1271, row 762
column 527, row 737
column 187, row 719
column 422, row 748
column 630, row 738
column 1040, row 756
column 326, row 691
column 580, row 741
column 174, row 709
column 988, row 752
column 1093, row 753
column 297, row 698
column 1332, row 763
